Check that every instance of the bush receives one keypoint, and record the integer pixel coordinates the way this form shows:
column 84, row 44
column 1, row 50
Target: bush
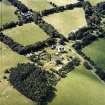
column 87, row 65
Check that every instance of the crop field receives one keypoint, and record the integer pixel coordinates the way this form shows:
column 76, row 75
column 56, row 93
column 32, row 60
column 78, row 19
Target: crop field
column 67, row 21
column 27, row 34
column 96, row 52
column 7, row 12
column 37, row 5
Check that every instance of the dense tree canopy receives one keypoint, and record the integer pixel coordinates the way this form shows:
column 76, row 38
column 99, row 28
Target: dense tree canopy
column 33, row 82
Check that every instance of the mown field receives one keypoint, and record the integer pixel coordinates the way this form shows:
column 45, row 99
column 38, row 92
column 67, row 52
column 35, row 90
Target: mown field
column 67, row 21
column 27, row 34
column 7, row 12
column 63, row 2
column 81, row 87
column 96, row 52
column 37, row 5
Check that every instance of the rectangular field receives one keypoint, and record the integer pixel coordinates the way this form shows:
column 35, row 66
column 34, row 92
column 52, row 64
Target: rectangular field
column 63, row 2
column 7, row 12
column 67, row 21
column 37, row 5
column 96, row 52
column 27, row 34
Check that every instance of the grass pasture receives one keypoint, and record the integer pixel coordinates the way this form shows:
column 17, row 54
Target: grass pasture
column 80, row 87
column 63, row 2
column 27, row 34
column 8, row 95
column 8, row 58
column 67, row 21
column 36, row 5
column 7, row 12
column 96, row 52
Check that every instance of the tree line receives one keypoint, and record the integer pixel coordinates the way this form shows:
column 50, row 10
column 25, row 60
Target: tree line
column 67, row 68
column 19, row 5
column 99, row 71
column 11, row 43
column 23, row 50
column 59, row 9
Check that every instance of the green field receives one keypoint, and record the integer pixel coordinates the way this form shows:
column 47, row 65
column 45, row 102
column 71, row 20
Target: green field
column 27, row 34
column 63, row 2
column 7, row 12
column 8, row 95
column 81, row 87
column 96, row 52
column 37, row 5
column 67, row 21
column 8, row 58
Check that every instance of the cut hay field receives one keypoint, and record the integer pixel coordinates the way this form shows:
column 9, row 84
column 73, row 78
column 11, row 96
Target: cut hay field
column 96, row 52
column 67, row 21
column 27, row 34
column 37, row 5
column 7, row 12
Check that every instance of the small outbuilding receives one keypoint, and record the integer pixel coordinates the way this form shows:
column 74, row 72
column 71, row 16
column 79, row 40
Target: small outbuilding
column 61, row 49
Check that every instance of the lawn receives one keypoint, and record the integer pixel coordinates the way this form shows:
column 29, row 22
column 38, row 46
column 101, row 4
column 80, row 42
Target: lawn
column 96, row 52
column 80, row 88
column 63, row 2
column 7, row 12
column 37, row 5
column 27, row 34
column 67, row 21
